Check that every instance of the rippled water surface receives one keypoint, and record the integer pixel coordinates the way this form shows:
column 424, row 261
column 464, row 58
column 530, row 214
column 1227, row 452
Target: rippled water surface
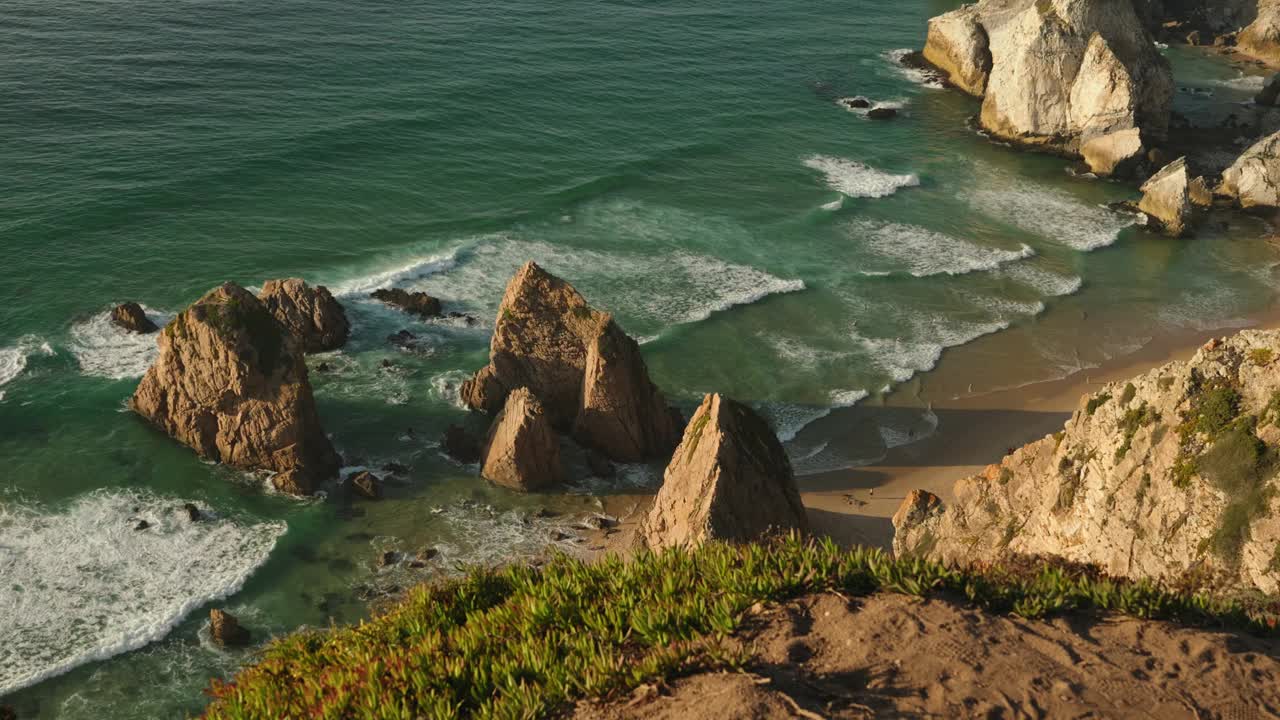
column 686, row 165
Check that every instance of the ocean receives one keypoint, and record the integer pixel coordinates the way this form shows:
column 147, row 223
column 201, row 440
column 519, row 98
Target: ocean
column 686, row 165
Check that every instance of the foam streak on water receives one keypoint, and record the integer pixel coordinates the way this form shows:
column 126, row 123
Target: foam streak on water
column 83, row 584
column 922, row 252
column 1052, row 214
column 13, row 360
column 106, row 350
column 856, row 179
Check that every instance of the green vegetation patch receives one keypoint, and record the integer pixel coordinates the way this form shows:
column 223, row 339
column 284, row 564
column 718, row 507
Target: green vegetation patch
column 1240, row 465
column 523, row 642
column 695, row 433
column 1127, row 396
column 1212, row 410
column 1096, row 402
column 230, row 316
column 1261, row 356
column 1136, row 418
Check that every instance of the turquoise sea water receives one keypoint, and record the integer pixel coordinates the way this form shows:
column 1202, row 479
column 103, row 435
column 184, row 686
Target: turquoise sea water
column 684, row 164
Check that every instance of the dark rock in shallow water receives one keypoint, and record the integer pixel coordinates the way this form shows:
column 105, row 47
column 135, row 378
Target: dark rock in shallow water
column 324, row 367
column 141, row 525
column 131, row 317
column 461, row 445
column 1270, row 92
column 468, row 320
column 414, row 303
column 882, row 113
column 193, row 512
column 396, row 468
column 8, row 713
column 226, row 630
column 388, row 558
column 403, row 339
column 366, row 485
column 856, row 102
column 424, row 556
column 600, row 465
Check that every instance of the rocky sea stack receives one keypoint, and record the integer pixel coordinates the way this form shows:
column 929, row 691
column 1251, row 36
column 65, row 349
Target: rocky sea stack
column 130, row 316
column 311, row 314
column 522, row 451
column 231, row 383
column 226, row 630
column 585, row 371
column 730, row 479
column 1174, row 472
column 1080, row 78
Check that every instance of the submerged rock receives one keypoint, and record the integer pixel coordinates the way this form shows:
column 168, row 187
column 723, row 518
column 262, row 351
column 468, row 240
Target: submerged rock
column 461, row 445
column 1166, row 198
column 882, row 113
column 414, row 303
column 1254, row 179
column 311, row 314
column 130, row 316
column 226, row 630
column 366, row 485
column 522, row 451
column 232, row 384
column 1169, row 473
column 587, row 373
column 730, row 479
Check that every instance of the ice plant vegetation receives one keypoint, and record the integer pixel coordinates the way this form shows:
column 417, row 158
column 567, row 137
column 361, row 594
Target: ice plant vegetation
column 521, row 642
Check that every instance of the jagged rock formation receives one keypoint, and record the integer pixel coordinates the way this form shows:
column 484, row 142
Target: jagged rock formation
column 1166, row 198
column 522, row 451
column 366, row 485
column 311, row 314
column 730, row 479
column 414, row 303
column 230, row 382
column 226, row 630
column 130, row 316
column 1172, row 472
column 1071, row 76
column 586, row 371
column 1254, row 179
column 1261, row 39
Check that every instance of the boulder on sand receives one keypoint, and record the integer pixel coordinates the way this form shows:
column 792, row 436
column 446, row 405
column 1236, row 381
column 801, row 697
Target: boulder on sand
column 730, row 479
column 226, row 630
column 522, row 451
column 587, row 373
column 1253, row 180
column 1166, row 198
column 231, row 383
column 311, row 314
column 414, row 303
column 130, row 316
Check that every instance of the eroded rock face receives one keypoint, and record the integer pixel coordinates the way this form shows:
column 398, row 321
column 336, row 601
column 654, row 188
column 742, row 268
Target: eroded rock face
column 130, row 316
column 1254, row 179
column 1166, row 198
column 958, row 46
column 1080, row 77
column 522, row 451
column 587, row 373
column 311, row 314
column 226, row 630
column 231, row 383
column 1261, row 38
column 1170, row 472
column 730, row 479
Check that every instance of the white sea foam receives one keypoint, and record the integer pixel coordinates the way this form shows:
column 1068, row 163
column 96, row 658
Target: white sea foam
column 1250, row 83
column 659, row 289
column 856, row 179
column 448, row 387
column 788, row 419
column 82, row 584
column 413, row 270
column 923, row 252
column 1046, row 283
column 897, row 435
column 105, row 350
column 919, row 351
column 13, row 359
column 916, row 75
column 1052, row 214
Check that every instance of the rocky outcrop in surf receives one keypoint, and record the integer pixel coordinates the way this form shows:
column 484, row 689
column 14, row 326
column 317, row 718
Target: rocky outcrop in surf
column 131, row 317
column 414, row 303
column 1261, row 39
column 587, row 373
column 1170, row 197
column 522, row 451
column 1173, row 472
column 225, row 629
column 1070, row 76
column 729, row 479
column 1253, row 181
column 311, row 314
column 231, row 383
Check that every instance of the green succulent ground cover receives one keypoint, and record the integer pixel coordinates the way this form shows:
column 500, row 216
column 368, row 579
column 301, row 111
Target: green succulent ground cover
column 522, row 642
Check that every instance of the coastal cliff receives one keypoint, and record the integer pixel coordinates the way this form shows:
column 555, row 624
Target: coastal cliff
column 1170, row 474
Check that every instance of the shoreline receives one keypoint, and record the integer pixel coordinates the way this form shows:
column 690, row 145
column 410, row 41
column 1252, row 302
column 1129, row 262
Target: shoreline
column 855, row 505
